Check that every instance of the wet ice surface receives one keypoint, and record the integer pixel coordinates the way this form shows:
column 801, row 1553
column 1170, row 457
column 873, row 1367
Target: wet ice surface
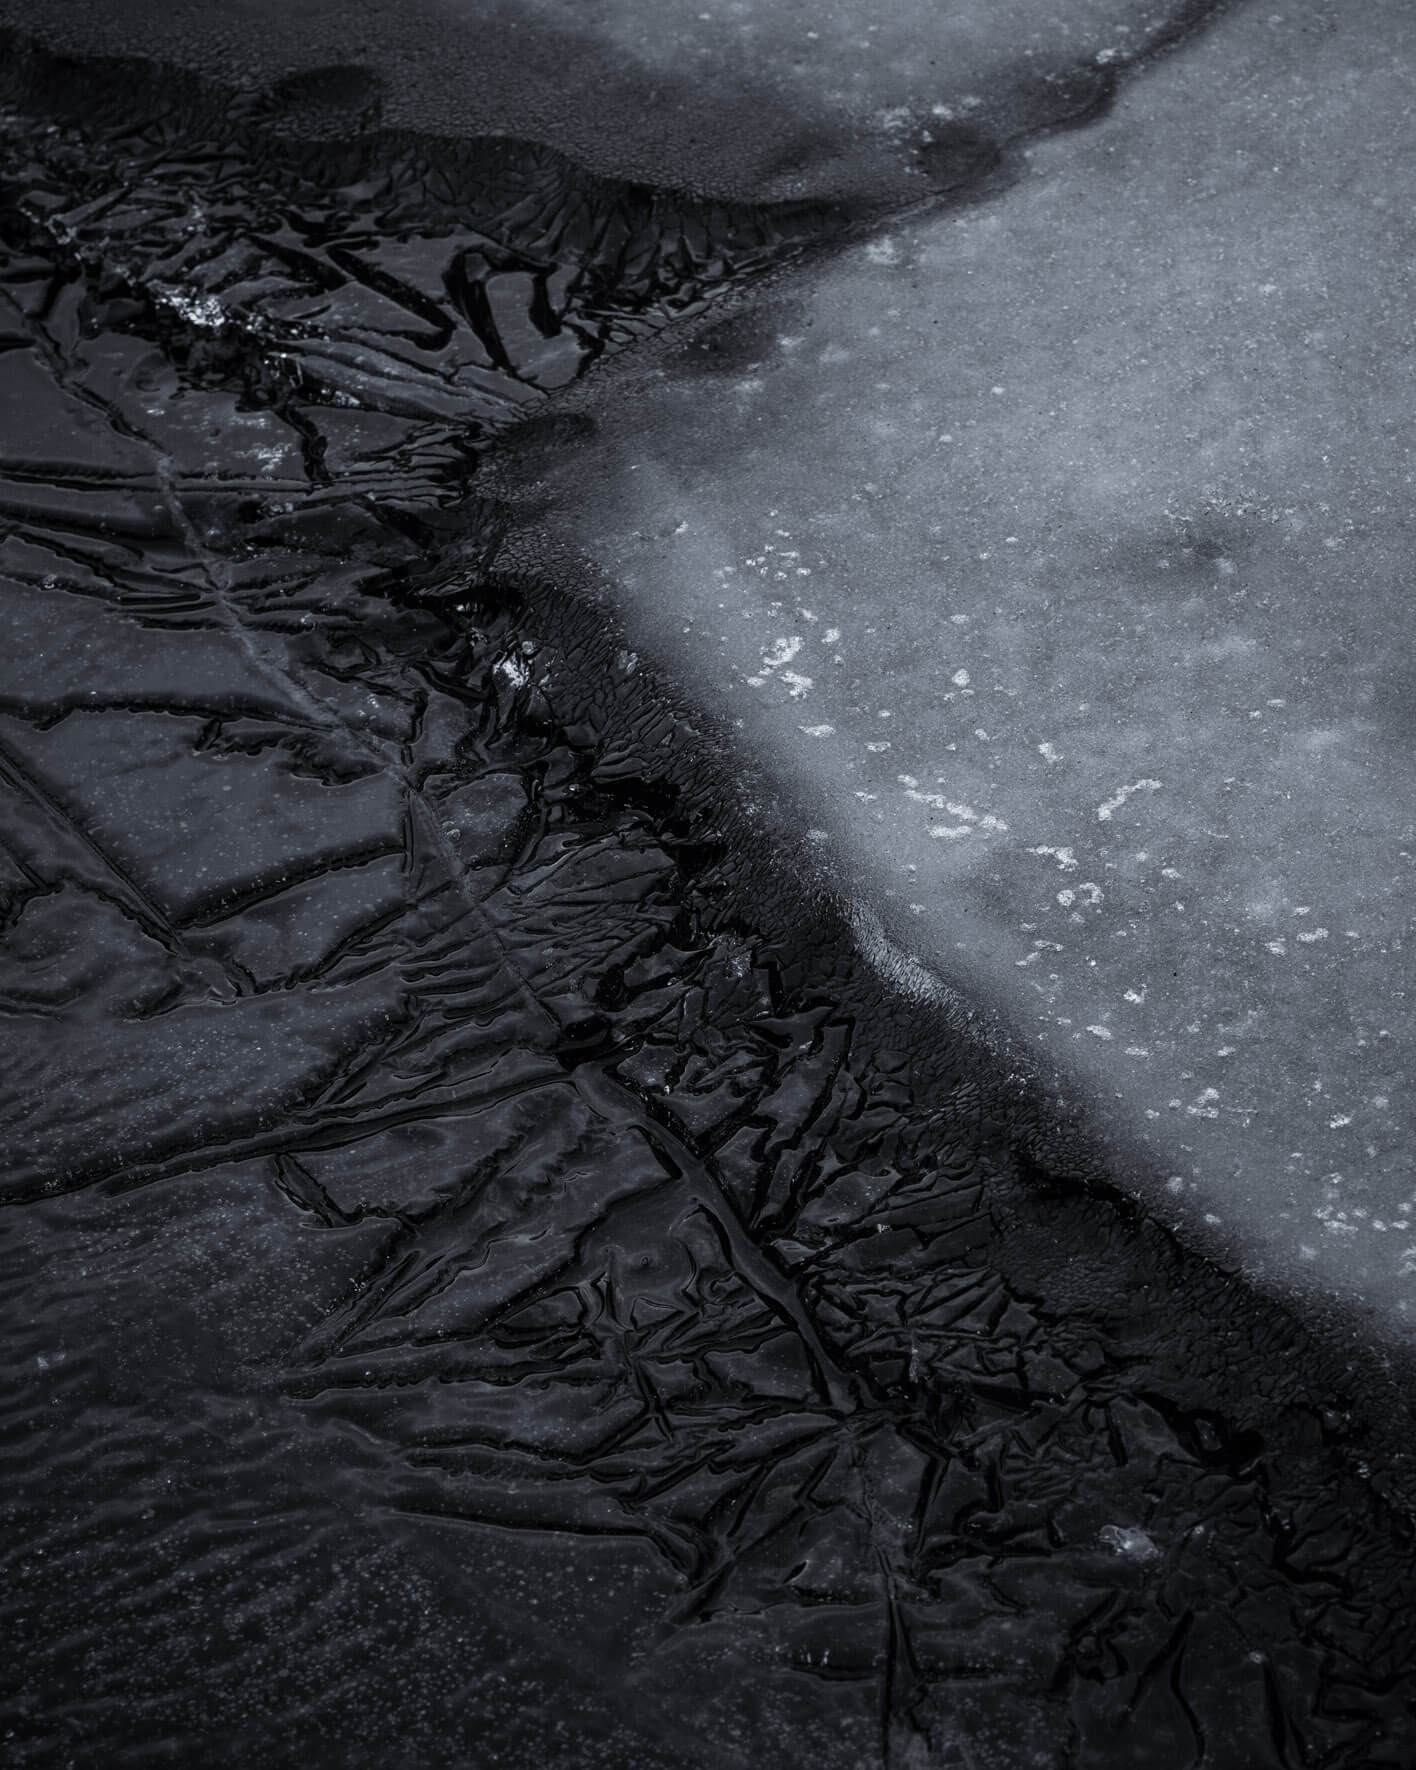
column 760, row 99
column 491, row 1274
column 1059, row 547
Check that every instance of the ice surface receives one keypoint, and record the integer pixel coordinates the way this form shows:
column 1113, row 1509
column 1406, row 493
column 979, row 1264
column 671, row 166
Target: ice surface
column 1058, row 546
column 492, row 1273
column 753, row 98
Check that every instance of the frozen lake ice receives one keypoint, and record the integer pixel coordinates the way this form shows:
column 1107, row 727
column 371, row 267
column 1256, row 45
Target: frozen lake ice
column 1056, row 548
column 757, row 99
column 484, row 1235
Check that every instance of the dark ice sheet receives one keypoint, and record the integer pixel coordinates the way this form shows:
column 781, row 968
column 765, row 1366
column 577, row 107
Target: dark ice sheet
column 491, row 1275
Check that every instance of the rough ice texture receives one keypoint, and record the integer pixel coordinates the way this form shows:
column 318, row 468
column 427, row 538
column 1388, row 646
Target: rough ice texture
column 491, row 1274
column 769, row 99
column 1058, row 546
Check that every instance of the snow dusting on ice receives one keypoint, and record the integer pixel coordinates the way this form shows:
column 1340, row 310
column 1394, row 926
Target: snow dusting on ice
column 1097, row 493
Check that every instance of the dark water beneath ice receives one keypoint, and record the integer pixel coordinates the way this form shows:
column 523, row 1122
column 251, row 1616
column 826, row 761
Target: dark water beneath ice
column 492, row 1276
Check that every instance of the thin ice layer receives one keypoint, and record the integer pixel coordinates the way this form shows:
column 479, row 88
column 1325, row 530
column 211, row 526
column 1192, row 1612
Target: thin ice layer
column 1058, row 547
column 763, row 99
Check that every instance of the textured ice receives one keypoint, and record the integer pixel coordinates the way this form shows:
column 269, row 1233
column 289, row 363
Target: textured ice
column 498, row 1267
column 1086, row 510
column 754, row 98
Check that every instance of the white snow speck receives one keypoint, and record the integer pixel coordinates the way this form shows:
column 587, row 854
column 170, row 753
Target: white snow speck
column 1063, row 856
column 782, row 652
column 197, row 310
column 1204, row 1107
column 1105, row 811
column 1125, row 1539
